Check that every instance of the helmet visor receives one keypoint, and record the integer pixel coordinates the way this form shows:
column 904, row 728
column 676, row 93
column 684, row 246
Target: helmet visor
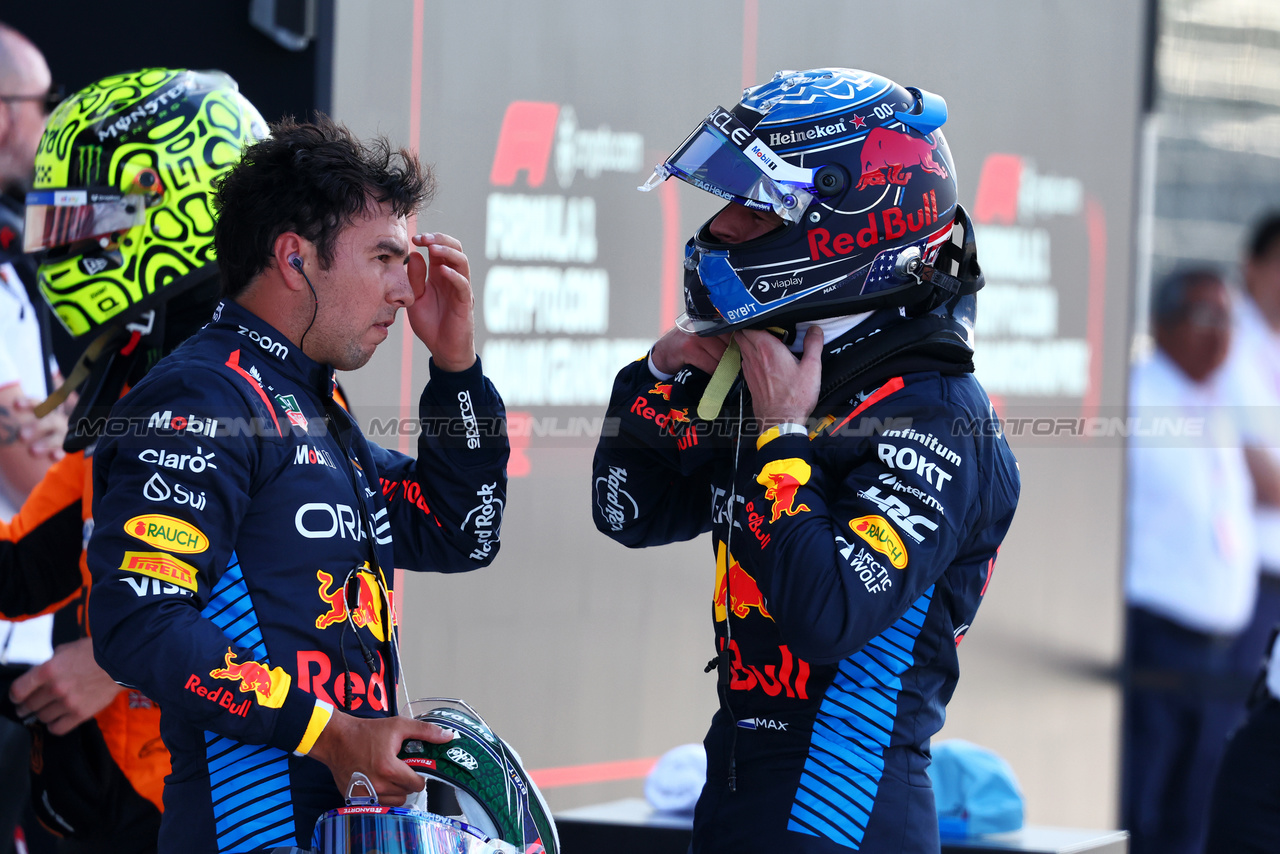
column 390, row 830
column 725, row 159
column 60, row 217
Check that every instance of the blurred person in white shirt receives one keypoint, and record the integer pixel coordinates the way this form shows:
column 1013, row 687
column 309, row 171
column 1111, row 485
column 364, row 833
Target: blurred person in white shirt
column 1191, row 571
column 1254, row 369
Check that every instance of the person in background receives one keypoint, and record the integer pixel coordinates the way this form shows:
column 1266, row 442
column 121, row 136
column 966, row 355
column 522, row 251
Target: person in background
column 98, row 763
column 1191, row 569
column 1244, row 810
column 27, row 446
column 1254, row 368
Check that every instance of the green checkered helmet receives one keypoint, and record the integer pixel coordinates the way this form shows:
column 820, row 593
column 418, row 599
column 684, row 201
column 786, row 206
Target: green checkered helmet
column 478, row 779
column 121, row 206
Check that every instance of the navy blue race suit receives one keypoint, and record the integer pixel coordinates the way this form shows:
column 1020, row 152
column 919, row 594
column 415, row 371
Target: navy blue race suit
column 242, row 558
column 857, row 558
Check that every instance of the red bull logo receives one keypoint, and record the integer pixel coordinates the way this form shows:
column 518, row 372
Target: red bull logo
column 270, row 686
column 738, row 586
column 681, row 415
column 337, row 686
column 887, row 153
column 663, row 389
column 367, row 612
column 782, row 479
column 890, row 225
column 876, row 532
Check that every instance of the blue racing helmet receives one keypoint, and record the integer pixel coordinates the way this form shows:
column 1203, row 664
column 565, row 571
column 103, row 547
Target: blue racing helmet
column 858, row 171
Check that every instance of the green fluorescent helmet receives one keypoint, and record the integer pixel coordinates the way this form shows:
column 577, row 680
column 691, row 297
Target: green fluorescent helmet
column 121, row 206
column 478, row 779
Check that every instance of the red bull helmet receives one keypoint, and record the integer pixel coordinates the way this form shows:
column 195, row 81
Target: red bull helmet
column 858, row 170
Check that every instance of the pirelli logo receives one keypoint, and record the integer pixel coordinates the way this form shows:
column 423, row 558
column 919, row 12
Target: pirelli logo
column 162, row 566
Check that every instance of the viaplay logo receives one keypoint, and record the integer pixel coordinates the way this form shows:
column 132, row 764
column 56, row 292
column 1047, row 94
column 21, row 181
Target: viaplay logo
column 531, row 130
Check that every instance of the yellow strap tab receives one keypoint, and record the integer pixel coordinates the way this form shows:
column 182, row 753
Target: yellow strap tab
column 721, row 381
column 320, row 715
column 78, row 374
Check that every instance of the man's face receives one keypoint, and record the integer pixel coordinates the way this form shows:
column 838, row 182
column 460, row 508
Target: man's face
column 1198, row 339
column 24, row 120
column 360, row 293
column 736, row 224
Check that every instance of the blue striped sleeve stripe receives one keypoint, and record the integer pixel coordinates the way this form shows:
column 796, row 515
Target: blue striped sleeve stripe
column 841, row 778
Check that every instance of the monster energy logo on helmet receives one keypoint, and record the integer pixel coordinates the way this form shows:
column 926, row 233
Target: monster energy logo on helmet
column 89, row 165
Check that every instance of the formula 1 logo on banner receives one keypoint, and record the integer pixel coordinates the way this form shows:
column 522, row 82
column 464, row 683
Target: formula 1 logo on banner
column 545, row 298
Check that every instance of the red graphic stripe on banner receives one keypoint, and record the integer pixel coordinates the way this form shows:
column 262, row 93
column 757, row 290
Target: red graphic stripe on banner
column 599, row 772
column 415, row 120
column 672, row 256
column 1095, row 220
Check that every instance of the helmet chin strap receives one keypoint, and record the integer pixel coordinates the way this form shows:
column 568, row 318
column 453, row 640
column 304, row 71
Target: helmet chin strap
column 721, row 381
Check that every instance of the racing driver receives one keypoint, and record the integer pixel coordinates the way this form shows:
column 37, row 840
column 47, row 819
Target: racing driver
column 245, row 531
column 852, row 473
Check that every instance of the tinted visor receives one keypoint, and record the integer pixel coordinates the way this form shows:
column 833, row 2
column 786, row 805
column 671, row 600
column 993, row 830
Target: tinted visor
column 60, row 217
column 391, row 830
column 711, row 161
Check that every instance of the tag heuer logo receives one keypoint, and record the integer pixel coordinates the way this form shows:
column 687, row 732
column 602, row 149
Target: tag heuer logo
column 460, row 757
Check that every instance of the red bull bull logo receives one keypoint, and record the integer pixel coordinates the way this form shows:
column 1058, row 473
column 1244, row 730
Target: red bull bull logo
column 367, row 612
column 877, row 533
column 887, row 153
column 782, row 479
column 270, row 686
column 680, row 415
column 738, row 587
column 663, row 389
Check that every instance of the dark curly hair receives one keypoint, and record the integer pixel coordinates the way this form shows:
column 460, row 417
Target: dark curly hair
column 313, row 178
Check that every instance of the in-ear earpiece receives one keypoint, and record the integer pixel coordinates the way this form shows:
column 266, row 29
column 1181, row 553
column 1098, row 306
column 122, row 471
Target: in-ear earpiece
column 295, row 261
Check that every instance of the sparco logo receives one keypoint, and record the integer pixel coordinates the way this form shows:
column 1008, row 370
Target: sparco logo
column 275, row 348
column 190, row 424
column 794, row 136
column 610, row 497
column 469, row 419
